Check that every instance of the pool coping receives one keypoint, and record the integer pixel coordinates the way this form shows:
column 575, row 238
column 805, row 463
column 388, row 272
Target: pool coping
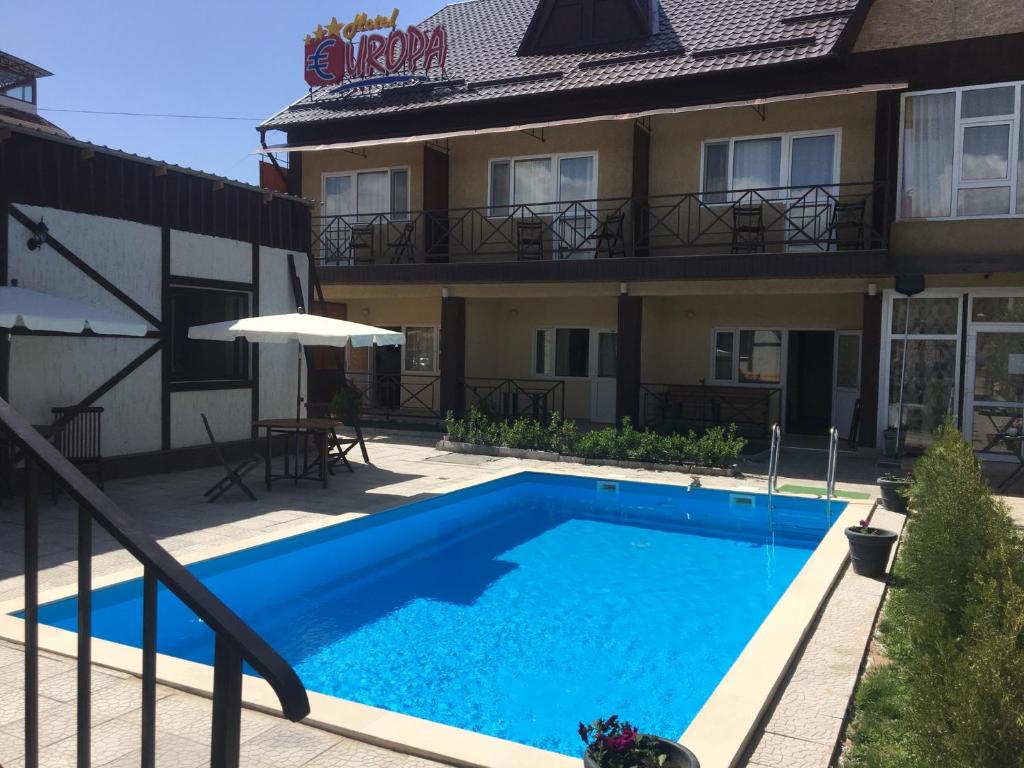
column 718, row 734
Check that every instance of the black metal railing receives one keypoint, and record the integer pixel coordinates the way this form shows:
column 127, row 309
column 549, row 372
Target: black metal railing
column 515, row 398
column 694, row 406
column 387, row 395
column 235, row 641
column 827, row 217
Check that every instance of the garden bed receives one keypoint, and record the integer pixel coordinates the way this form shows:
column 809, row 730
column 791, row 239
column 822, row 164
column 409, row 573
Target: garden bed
column 527, row 453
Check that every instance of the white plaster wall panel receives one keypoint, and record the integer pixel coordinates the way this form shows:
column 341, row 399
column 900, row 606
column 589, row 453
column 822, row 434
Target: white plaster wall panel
column 124, row 252
column 212, row 258
column 50, row 371
column 278, row 361
column 229, row 412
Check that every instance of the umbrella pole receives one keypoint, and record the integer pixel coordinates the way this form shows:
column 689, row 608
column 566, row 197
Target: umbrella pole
column 298, row 386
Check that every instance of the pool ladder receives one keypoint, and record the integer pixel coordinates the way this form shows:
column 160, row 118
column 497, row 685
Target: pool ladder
column 773, row 468
column 830, row 476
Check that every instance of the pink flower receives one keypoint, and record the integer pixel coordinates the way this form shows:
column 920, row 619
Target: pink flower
column 863, row 523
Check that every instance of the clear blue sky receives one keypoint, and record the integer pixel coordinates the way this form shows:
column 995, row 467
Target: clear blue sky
column 218, row 57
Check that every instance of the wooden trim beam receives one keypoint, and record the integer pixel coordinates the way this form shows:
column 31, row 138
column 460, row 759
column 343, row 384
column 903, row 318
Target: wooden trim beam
column 453, row 355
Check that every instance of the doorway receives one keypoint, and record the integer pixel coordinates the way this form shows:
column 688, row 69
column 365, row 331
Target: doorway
column 602, row 375
column 387, row 375
column 809, row 370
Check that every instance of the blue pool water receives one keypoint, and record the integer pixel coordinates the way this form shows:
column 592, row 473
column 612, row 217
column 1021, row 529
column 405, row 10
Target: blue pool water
column 515, row 608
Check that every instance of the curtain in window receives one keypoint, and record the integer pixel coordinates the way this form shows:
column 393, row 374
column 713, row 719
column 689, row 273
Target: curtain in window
column 812, row 161
column 532, row 182
column 372, row 193
column 928, row 135
column 1020, row 155
column 757, row 163
column 337, row 195
column 575, row 178
column 716, row 171
column 500, row 188
column 399, row 193
column 419, row 349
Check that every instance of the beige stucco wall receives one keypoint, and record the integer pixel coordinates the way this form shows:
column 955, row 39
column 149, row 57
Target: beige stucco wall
column 976, row 236
column 315, row 164
column 676, row 139
column 896, row 23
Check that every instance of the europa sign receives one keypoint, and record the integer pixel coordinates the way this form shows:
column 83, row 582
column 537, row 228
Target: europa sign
column 334, row 55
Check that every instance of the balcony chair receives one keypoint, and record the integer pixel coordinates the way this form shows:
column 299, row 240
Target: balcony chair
column 529, row 240
column 232, row 475
column 76, row 434
column 360, row 243
column 401, row 247
column 608, row 239
column 808, row 223
column 846, row 230
column 748, row 234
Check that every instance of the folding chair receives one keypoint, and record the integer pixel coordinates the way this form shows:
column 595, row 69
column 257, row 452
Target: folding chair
column 337, row 446
column 233, row 476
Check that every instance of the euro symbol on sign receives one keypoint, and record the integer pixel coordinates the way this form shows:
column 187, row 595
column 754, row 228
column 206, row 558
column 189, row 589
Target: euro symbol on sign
column 317, row 61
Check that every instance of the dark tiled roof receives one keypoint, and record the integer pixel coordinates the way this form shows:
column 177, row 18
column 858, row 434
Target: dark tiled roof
column 695, row 37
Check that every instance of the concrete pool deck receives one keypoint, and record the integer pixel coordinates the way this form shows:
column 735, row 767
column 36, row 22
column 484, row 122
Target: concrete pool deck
column 172, row 509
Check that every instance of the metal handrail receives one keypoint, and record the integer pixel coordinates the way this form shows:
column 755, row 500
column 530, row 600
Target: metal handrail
column 541, row 397
column 236, row 641
column 817, row 217
column 773, row 467
column 830, row 475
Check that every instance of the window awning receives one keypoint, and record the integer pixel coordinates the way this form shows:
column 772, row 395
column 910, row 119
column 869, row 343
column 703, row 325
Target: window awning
column 868, row 88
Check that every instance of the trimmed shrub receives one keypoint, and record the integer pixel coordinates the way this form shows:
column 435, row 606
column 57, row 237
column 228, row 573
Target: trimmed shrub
column 953, row 628
column 716, row 447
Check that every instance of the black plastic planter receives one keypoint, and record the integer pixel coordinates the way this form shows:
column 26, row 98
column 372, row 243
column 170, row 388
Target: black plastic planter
column 677, row 756
column 869, row 552
column 892, row 493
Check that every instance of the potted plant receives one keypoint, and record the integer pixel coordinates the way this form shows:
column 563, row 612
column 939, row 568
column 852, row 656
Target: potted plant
column 894, row 441
column 894, row 491
column 347, row 403
column 869, row 548
column 614, row 743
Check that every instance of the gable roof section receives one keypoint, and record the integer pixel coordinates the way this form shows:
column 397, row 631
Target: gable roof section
column 695, row 37
column 580, row 24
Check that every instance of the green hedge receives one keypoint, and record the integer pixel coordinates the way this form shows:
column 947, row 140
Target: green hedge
column 716, row 447
column 953, row 629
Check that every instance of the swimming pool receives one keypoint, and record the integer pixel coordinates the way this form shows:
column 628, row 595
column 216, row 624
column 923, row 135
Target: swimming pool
column 514, row 608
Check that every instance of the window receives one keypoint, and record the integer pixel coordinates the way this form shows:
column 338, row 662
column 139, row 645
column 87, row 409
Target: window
column 193, row 360
column 420, row 349
column 747, row 356
column 764, row 162
column 963, row 153
column 562, row 352
column 21, row 92
column 532, row 181
column 366, row 194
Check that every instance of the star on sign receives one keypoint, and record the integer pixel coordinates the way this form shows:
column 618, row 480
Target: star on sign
column 334, row 28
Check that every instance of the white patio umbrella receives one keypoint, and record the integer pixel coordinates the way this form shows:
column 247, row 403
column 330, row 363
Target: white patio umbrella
column 313, row 330
column 22, row 308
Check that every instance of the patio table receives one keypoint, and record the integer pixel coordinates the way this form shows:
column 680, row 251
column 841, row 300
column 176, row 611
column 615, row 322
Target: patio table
column 296, row 428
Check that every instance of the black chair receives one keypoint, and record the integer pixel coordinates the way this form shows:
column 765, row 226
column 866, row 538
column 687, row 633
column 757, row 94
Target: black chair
column 401, row 247
column 529, row 240
column 232, row 475
column 338, row 446
column 77, row 435
column 608, row 239
column 360, row 243
column 748, row 229
column 846, row 230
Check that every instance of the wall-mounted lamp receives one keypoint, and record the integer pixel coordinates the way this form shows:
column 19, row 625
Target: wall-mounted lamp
column 690, row 314
column 872, row 289
column 444, row 292
column 623, row 288
column 513, row 312
column 366, row 311
column 39, row 233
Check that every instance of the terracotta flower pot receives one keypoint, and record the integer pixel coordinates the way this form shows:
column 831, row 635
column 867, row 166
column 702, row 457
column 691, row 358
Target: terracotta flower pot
column 677, row 755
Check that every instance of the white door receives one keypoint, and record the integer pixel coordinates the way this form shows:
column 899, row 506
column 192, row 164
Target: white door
column 846, row 380
column 812, row 163
column 603, row 352
column 995, row 390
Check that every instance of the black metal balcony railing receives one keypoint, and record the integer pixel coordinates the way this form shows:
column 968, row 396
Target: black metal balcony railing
column 697, row 407
column 816, row 218
column 235, row 642
column 390, row 395
column 515, row 398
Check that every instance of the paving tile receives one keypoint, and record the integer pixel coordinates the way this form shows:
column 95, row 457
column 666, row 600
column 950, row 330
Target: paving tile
column 354, row 754
column 288, row 745
column 775, row 751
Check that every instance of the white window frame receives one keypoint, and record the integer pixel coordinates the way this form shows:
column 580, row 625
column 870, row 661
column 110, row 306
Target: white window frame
column 734, row 381
column 784, row 161
column 549, row 372
column 958, row 133
column 888, row 336
column 391, row 215
column 436, row 351
column 553, row 194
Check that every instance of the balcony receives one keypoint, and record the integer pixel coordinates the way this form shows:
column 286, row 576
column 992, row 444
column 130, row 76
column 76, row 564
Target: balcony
column 835, row 217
